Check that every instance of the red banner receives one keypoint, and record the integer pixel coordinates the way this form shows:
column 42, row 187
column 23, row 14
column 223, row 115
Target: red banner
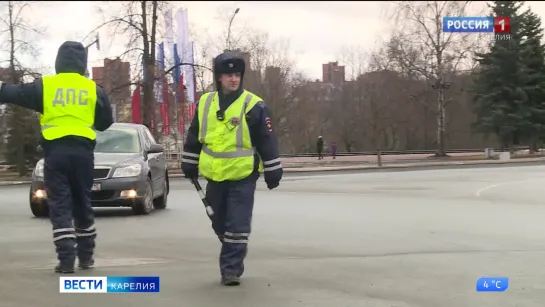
column 166, row 116
column 152, row 114
column 193, row 105
column 181, row 115
column 136, row 106
column 162, row 112
column 191, row 111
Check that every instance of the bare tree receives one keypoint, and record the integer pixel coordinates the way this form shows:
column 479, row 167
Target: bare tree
column 270, row 73
column 356, row 61
column 231, row 36
column 422, row 46
column 207, row 46
column 384, row 92
column 346, row 116
column 23, row 127
column 203, row 54
column 136, row 23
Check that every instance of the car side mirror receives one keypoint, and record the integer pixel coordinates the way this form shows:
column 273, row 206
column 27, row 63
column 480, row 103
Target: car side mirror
column 156, row 148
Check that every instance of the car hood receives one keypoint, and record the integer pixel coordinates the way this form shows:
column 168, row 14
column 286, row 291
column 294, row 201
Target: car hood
column 111, row 159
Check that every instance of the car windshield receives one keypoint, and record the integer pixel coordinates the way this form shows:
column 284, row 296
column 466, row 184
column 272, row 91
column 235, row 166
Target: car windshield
column 118, row 141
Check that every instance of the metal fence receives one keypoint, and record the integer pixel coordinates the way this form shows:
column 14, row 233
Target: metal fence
column 176, row 153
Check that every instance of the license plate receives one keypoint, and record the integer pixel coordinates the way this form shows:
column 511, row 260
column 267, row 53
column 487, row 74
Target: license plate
column 96, row 187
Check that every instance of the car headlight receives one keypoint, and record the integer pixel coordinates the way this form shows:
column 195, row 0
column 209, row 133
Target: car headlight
column 39, row 170
column 128, row 171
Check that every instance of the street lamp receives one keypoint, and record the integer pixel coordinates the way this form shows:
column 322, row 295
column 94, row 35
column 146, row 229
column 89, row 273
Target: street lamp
column 97, row 42
column 229, row 29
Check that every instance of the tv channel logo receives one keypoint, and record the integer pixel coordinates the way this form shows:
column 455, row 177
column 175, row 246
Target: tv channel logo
column 500, row 25
column 109, row 284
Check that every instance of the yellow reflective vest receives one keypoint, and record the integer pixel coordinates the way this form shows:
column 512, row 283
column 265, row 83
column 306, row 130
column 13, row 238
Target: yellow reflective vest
column 227, row 152
column 69, row 106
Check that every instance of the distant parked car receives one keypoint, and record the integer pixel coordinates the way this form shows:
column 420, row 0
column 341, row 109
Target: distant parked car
column 130, row 171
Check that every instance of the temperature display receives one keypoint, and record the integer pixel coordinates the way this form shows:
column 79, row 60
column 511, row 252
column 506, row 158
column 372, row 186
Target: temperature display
column 492, row 284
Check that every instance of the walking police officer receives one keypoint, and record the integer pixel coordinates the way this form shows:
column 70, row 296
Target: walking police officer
column 71, row 108
column 230, row 142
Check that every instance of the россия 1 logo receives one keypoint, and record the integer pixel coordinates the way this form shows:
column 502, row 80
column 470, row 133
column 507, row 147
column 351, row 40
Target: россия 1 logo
column 500, row 26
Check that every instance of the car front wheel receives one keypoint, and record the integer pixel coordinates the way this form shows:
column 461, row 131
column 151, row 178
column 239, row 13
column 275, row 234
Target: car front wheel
column 39, row 209
column 144, row 205
column 161, row 201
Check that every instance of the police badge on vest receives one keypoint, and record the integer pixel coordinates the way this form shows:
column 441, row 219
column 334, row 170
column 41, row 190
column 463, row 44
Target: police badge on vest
column 235, row 121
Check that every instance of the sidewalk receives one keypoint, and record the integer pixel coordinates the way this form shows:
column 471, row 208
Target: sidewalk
column 373, row 158
column 296, row 162
column 351, row 163
column 408, row 163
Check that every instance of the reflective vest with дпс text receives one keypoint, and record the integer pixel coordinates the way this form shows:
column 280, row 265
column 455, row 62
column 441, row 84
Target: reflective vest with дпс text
column 227, row 152
column 69, row 106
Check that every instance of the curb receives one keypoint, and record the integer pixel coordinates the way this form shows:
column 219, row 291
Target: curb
column 371, row 167
column 367, row 167
column 5, row 183
column 417, row 165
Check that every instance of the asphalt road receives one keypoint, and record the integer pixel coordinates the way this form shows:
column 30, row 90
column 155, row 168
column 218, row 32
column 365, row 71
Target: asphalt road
column 417, row 238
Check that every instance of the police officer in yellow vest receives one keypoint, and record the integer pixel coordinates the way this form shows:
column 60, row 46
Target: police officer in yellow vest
column 230, row 141
column 72, row 107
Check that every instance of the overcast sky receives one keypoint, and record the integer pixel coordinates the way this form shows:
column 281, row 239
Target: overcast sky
column 317, row 31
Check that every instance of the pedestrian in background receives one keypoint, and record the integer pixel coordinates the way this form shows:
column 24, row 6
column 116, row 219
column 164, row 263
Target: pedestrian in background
column 334, row 149
column 320, row 147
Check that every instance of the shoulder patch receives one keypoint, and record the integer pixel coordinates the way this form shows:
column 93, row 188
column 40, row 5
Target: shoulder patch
column 268, row 124
column 261, row 104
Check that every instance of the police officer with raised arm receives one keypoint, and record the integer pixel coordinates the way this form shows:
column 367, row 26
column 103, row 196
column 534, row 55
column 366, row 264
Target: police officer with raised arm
column 71, row 108
column 230, row 142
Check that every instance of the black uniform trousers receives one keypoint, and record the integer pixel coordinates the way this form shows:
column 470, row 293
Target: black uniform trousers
column 68, row 179
column 233, row 203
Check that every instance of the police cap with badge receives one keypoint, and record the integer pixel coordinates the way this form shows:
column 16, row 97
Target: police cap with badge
column 228, row 63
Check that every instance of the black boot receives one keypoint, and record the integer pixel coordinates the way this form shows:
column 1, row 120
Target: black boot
column 64, row 268
column 230, row 280
column 87, row 264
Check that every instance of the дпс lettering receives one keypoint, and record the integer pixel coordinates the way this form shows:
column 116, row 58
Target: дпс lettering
column 64, row 96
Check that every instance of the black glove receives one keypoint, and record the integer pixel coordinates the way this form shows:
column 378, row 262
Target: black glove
column 272, row 184
column 273, row 178
column 191, row 171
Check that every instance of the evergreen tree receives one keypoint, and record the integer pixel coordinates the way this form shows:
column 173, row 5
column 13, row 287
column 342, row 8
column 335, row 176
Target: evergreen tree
column 533, row 59
column 500, row 81
column 23, row 132
column 22, row 138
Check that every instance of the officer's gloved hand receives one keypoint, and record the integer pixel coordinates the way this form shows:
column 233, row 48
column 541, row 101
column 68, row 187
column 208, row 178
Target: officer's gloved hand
column 273, row 178
column 191, row 171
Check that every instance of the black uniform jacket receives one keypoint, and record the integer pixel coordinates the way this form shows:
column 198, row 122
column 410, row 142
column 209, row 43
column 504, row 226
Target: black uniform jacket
column 71, row 58
column 261, row 134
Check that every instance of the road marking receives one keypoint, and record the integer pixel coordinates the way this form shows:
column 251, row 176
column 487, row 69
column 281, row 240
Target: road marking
column 115, row 262
column 324, row 176
column 492, row 186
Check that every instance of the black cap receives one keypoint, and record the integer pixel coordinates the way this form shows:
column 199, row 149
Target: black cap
column 228, row 63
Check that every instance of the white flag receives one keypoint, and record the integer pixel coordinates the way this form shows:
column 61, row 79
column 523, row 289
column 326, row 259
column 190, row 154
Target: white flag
column 185, row 51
